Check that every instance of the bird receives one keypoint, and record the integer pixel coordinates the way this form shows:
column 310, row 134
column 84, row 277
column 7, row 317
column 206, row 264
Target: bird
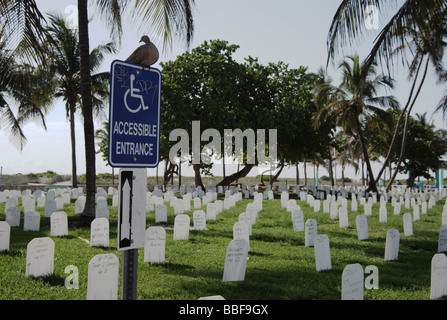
column 145, row 55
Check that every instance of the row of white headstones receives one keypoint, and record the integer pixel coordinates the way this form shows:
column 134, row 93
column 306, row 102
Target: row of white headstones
column 40, row 251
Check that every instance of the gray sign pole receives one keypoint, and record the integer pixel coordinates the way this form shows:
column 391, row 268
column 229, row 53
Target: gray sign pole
column 129, row 273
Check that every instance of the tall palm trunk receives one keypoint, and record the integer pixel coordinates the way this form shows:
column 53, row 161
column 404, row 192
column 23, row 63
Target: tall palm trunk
column 87, row 111
column 405, row 133
column 372, row 182
column 397, row 128
column 74, row 174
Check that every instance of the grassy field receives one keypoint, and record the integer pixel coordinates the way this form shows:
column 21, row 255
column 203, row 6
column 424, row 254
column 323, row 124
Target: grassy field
column 279, row 266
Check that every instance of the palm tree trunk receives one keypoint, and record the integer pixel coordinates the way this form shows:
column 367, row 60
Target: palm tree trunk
column 372, row 182
column 399, row 122
column 74, row 175
column 305, row 173
column 405, row 134
column 87, row 111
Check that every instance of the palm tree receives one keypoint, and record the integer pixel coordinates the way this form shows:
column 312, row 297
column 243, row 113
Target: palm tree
column 418, row 25
column 63, row 66
column 166, row 18
column 27, row 88
column 350, row 105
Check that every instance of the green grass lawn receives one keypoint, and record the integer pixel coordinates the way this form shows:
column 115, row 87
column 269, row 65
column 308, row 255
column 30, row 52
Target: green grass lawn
column 279, row 266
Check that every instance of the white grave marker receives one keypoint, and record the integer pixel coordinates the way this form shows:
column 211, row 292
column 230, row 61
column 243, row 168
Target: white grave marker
column 181, row 227
column 59, row 224
column 161, row 213
column 392, row 245
column 352, row 282
column 102, row 283
column 31, row 221
column 99, row 232
column 408, row 224
column 50, row 206
column 438, row 286
column 362, row 227
column 39, row 257
column 154, row 248
column 383, row 214
column 343, row 217
column 199, row 219
column 322, row 252
column 235, row 261
column 310, row 232
column 13, row 216
column 298, row 220
column 442, row 241
column 5, row 234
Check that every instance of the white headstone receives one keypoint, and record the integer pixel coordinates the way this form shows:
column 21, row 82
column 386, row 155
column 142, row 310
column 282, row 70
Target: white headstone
column 197, row 203
column 59, row 224
column 317, row 205
column 102, row 211
column 354, row 205
column 438, row 286
column 13, row 216
column 442, row 240
column 102, row 283
column 161, row 213
column 235, row 261
column 416, row 213
column 322, row 252
column 40, row 203
column 310, row 232
column 50, row 206
column 245, row 217
column 362, row 227
column 298, row 220
column 154, row 247
column 99, row 232
column 352, row 282
column 5, row 235
column 199, row 219
column 39, row 257
column 383, row 214
column 178, row 206
column 408, row 224
column 240, row 232
column 334, row 210
column 367, row 209
column 31, row 221
column 392, row 245
column 181, row 227
column 211, row 212
column 59, row 203
column 79, row 204
column 29, row 204
column 343, row 217
column 397, row 207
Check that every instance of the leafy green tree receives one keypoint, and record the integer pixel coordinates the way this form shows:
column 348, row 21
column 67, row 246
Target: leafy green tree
column 425, row 148
column 27, row 89
column 62, row 69
column 350, row 103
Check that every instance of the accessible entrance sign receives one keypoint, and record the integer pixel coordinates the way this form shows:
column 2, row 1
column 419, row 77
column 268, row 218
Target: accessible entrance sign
column 134, row 116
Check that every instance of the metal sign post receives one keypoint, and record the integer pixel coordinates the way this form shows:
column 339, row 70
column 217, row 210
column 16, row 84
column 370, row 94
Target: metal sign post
column 134, row 145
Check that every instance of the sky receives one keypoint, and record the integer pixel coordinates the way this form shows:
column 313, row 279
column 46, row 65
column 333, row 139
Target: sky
column 292, row 31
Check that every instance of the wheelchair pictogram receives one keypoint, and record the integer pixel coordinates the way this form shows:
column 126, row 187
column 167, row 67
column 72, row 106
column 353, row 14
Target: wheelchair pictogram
column 134, row 93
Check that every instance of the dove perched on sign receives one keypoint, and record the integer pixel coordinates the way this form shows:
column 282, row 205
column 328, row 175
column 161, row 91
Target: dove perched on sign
column 145, row 55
